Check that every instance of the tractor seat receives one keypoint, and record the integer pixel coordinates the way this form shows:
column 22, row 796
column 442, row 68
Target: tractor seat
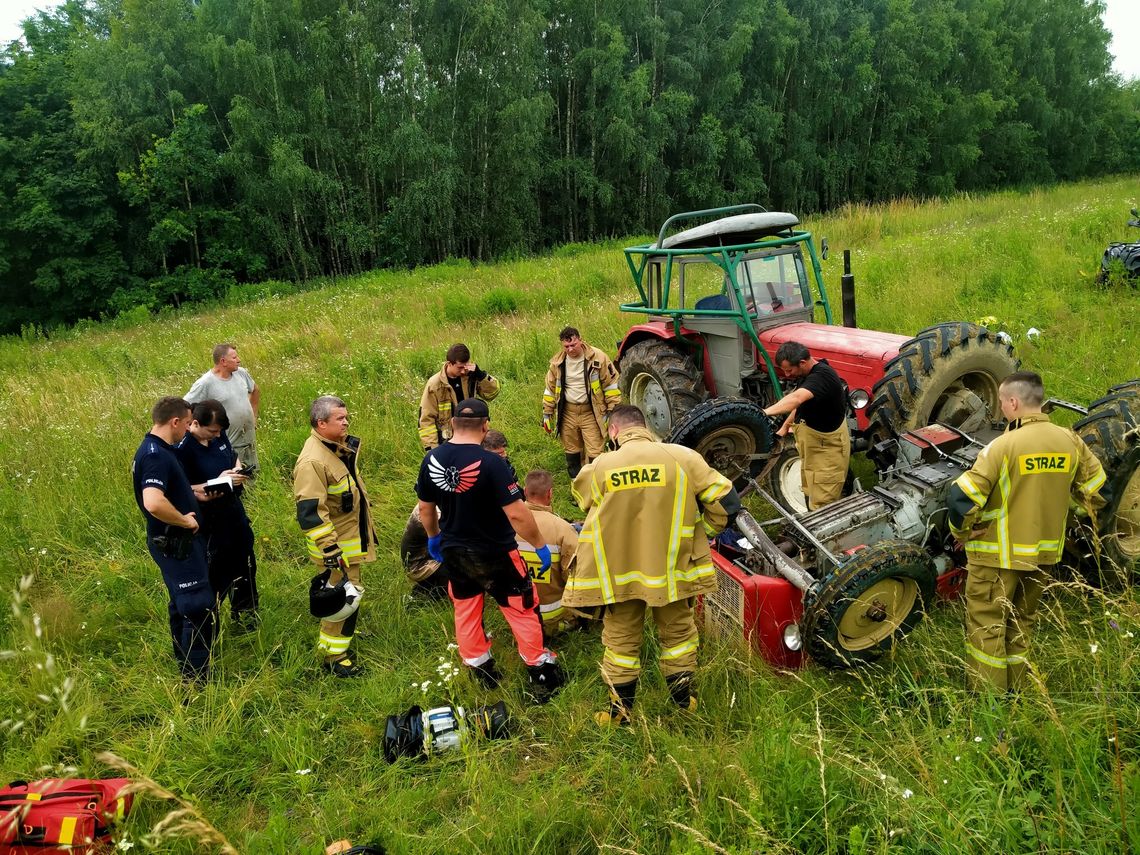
column 714, row 301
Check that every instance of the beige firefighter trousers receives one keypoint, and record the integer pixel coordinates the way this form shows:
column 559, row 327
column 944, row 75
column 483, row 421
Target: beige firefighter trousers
column 580, row 430
column 1000, row 608
column 824, row 458
column 623, row 626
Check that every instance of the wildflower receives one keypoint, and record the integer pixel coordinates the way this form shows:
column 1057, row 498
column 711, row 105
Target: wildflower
column 304, row 771
column 1093, row 647
column 977, row 739
column 906, row 794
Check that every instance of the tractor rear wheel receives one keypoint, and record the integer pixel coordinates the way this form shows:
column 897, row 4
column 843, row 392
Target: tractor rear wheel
column 948, row 373
column 784, row 482
column 662, row 382
column 1111, row 430
column 728, row 433
column 864, row 606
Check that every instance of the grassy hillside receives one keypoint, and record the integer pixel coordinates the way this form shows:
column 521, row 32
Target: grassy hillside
column 281, row 759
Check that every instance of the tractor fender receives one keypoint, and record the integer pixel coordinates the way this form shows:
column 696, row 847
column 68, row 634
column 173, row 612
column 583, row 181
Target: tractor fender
column 664, row 331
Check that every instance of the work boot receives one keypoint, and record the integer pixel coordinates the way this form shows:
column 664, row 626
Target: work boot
column 574, row 464
column 621, row 706
column 344, row 667
column 545, row 680
column 680, row 688
column 488, row 674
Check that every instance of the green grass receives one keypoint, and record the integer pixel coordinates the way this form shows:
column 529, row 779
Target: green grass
column 895, row 758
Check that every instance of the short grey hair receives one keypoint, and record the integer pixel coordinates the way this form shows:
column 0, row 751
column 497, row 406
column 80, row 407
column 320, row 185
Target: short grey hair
column 322, row 408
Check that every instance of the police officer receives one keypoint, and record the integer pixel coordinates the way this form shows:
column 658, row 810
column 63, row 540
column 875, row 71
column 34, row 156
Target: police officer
column 816, row 413
column 1009, row 512
column 333, row 512
column 166, row 499
column 651, row 508
column 482, row 510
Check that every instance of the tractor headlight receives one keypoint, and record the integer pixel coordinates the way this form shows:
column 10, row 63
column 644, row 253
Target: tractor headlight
column 859, row 398
column 792, row 639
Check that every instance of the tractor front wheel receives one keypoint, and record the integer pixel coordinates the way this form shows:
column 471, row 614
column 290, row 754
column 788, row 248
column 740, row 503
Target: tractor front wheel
column 948, row 373
column 729, row 433
column 1111, row 430
column 784, row 482
column 662, row 382
column 864, row 606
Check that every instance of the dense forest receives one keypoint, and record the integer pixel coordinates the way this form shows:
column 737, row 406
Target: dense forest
column 157, row 151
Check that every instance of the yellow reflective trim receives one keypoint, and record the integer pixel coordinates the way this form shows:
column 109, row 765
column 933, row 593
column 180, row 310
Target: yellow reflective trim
column 333, row 643
column 695, row 573
column 1094, row 483
column 680, row 650
column 340, row 487
column 444, row 408
column 600, row 562
column 966, row 484
column 715, row 491
column 427, row 433
column 319, row 531
column 1004, row 555
column 554, row 615
column 66, row 829
column 640, row 578
column 680, row 490
column 613, row 388
column 631, row 662
column 985, row 658
column 983, row 546
column 576, row 584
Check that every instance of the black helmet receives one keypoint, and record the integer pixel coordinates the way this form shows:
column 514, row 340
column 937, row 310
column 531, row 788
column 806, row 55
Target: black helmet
column 332, row 602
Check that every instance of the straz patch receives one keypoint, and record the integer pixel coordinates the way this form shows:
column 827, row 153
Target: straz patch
column 635, row 477
column 1034, row 464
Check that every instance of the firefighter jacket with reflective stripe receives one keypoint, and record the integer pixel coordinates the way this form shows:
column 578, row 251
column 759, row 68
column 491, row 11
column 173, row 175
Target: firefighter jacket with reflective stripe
column 438, row 403
column 601, row 386
column 1010, row 508
column 332, row 505
column 562, row 540
column 651, row 509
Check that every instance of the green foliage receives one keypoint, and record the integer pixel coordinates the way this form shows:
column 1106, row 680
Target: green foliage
column 169, row 150
column 897, row 758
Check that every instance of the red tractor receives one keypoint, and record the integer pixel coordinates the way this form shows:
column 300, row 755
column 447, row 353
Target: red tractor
column 841, row 584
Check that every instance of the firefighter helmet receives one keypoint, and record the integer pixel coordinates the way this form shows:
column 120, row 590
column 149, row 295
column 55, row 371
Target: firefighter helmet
column 332, row 602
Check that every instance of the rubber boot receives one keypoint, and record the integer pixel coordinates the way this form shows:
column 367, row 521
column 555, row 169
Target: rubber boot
column 621, row 706
column 680, row 688
column 574, row 464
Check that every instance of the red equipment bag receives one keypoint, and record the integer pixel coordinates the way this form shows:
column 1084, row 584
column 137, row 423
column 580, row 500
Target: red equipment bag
column 59, row 815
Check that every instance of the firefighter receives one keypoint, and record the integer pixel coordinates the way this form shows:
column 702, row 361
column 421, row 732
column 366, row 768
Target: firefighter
column 166, row 499
column 428, row 576
column 1009, row 512
column 816, row 413
column 562, row 540
column 460, row 378
column 651, row 508
column 581, row 391
column 482, row 510
column 333, row 512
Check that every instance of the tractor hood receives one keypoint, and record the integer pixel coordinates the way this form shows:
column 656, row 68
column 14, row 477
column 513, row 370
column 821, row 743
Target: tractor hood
column 857, row 355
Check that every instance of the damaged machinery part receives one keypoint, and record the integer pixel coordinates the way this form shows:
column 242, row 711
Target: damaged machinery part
column 780, row 562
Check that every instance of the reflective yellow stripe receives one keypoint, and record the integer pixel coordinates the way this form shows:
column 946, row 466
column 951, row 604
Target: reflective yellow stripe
column 710, row 530
column 350, row 548
column 695, row 573
column 595, row 386
column 631, row 662
column 550, row 608
column 1004, row 555
column 1036, row 548
column 680, row 490
column 319, row 531
column 576, row 584
column 427, row 433
column 339, row 487
column 600, row 562
column 715, row 491
column 333, row 643
column 641, row 579
column 966, row 484
column 680, row 650
column 67, row 829
column 1094, row 483
column 987, row 547
column 985, row 658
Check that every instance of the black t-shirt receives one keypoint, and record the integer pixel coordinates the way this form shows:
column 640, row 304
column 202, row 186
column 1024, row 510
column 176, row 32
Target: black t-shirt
column 203, row 462
column 471, row 486
column 827, row 408
column 155, row 465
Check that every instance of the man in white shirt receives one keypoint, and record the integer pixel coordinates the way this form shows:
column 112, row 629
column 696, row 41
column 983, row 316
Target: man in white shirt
column 232, row 385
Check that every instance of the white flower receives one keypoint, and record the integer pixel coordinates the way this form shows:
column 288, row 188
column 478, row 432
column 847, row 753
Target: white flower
column 304, row 771
column 124, row 845
column 1094, row 647
column 906, row 794
column 977, row 739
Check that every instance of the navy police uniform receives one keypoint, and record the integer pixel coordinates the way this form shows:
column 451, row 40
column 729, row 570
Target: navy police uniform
column 179, row 555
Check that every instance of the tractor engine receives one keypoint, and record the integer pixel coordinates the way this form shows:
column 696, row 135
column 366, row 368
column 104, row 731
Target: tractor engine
column 908, row 503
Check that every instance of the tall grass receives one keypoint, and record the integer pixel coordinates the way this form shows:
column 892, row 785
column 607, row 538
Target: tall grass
column 275, row 758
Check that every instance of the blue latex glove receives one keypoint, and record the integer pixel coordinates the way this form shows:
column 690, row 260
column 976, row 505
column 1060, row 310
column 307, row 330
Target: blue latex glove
column 433, row 547
column 543, row 553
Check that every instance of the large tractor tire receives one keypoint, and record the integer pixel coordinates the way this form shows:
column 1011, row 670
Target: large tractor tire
column 662, row 382
column 728, row 433
column 868, row 603
column 948, row 373
column 1112, row 431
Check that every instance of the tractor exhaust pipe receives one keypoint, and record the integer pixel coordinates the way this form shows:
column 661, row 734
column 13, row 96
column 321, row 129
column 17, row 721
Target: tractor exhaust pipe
column 783, row 565
column 847, row 291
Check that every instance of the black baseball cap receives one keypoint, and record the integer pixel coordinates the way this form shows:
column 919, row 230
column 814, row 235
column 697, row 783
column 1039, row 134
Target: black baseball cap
column 472, row 408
